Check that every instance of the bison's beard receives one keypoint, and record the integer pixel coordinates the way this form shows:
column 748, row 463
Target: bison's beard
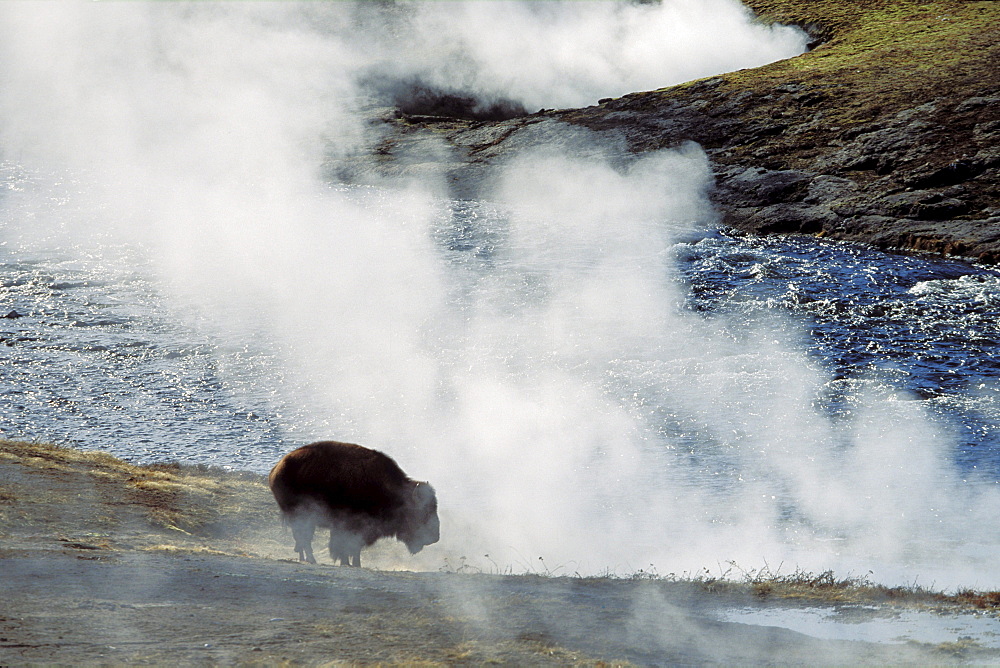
column 424, row 535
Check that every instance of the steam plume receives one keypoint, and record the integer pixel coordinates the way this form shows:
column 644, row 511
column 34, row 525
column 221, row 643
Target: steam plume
column 551, row 385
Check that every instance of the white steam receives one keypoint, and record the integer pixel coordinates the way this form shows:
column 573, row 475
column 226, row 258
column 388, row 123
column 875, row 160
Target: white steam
column 570, row 54
column 555, row 391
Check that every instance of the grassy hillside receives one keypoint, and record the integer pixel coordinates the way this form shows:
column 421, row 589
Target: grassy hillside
column 886, row 132
column 881, row 57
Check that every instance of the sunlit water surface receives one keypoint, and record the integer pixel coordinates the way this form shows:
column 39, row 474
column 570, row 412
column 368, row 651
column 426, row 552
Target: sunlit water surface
column 99, row 358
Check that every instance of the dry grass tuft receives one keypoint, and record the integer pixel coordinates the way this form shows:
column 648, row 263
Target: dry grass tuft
column 984, row 600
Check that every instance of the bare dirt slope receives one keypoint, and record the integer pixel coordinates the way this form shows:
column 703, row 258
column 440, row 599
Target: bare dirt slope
column 104, row 562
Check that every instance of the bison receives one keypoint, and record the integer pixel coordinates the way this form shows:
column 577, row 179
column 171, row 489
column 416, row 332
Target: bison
column 361, row 495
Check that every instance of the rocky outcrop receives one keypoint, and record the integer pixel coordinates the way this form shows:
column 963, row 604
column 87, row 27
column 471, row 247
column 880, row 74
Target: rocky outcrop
column 888, row 132
column 925, row 177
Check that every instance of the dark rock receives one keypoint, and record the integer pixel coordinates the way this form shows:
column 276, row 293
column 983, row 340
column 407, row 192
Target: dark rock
column 781, row 218
column 756, row 186
column 853, row 207
column 881, row 150
column 990, row 157
column 13, row 315
column 418, row 100
column 827, row 189
column 954, row 172
column 986, row 132
column 922, row 205
column 790, row 88
column 977, row 102
column 809, row 99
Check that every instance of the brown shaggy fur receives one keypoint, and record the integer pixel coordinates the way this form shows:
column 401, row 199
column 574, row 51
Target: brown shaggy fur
column 361, row 495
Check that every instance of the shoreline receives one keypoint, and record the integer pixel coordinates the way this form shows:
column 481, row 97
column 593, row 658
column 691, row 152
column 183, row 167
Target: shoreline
column 885, row 133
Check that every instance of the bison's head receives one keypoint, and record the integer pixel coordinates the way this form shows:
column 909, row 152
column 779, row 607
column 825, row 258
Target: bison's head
column 422, row 526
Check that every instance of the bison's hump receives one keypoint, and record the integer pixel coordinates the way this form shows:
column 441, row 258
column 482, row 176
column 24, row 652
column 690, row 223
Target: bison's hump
column 341, row 477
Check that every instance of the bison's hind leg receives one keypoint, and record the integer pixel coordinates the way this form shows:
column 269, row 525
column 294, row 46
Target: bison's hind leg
column 303, row 529
column 345, row 547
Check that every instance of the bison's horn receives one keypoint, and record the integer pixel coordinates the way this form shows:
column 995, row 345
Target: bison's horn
column 423, row 492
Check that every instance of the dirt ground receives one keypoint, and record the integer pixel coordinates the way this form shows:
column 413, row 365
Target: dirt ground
column 102, row 562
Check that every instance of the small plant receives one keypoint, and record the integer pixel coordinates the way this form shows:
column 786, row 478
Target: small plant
column 979, row 599
column 646, row 574
column 548, row 571
column 462, row 567
column 961, row 648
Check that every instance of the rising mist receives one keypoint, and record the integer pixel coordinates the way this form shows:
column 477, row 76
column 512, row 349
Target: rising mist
column 549, row 382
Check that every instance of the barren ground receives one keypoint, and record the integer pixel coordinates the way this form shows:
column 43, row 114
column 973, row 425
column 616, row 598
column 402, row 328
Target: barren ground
column 102, row 562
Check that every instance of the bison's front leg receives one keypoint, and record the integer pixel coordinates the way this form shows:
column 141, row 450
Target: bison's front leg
column 303, row 530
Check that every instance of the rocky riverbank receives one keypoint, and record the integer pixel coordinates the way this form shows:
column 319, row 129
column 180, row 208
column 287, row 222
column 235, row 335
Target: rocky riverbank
column 886, row 132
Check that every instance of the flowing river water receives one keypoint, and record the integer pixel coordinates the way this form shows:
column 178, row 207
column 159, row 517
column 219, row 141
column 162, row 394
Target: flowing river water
column 94, row 356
